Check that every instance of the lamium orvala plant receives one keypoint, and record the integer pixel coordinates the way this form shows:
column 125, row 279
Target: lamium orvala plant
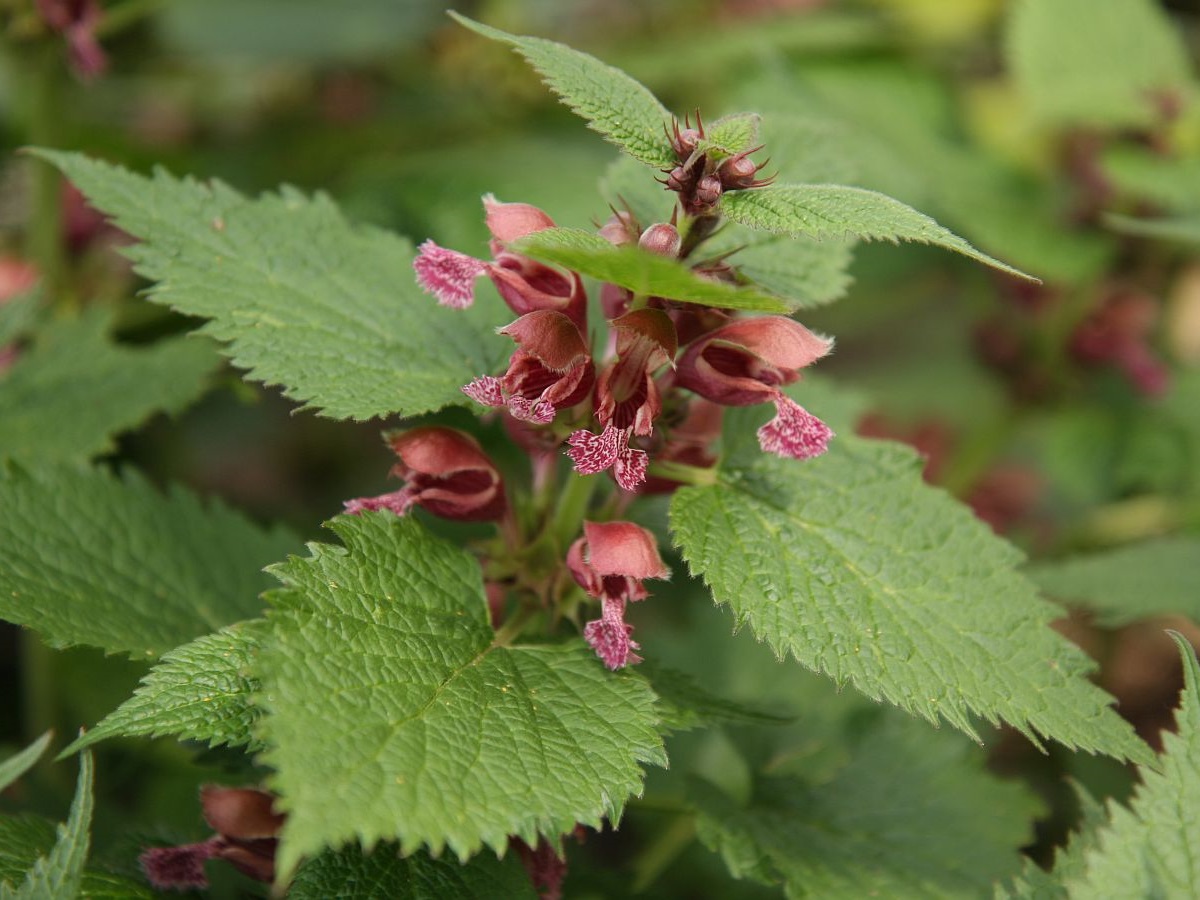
column 592, row 424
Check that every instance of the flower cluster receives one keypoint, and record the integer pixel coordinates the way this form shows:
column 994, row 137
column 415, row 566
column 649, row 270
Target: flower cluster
column 647, row 408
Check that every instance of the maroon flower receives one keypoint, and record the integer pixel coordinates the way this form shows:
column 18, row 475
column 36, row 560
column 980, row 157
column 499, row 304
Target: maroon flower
column 551, row 370
column 446, row 472
column 76, row 20
column 746, row 362
column 525, row 284
column 545, row 867
column 609, row 562
column 627, row 400
column 247, row 836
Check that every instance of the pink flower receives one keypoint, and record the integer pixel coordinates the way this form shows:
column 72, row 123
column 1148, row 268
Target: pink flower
column 746, row 362
column 627, row 399
column 525, row 284
column 247, row 836
column 551, row 370
column 446, row 472
column 609, row 562
column 76, row 20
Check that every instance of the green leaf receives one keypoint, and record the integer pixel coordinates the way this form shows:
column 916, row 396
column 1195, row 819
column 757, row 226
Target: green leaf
column 615, row 105
column 856, row 567
column 1172, row 183
column 201, row 691
column 838, row 211
column 732, row 134
column 640, row 271
column 1074, row 67
column 16, row 766
column 383, row 687
column 1153, row 578
column 1182, row 229
column 627, row 185
column 70, row 394
column 1035, row 883
column 1149, row 848
column 809, row 272
column 23, row 839
column 112, row 563
column 59, row 875
column 384, row 874
column 305, row 300
column 901, row 813
column 684, row 704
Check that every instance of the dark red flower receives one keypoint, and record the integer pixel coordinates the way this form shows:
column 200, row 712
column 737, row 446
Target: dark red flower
column 446, row 472
column 747, row 362
column 76, row 20
column 551, row 370
column 610, row 562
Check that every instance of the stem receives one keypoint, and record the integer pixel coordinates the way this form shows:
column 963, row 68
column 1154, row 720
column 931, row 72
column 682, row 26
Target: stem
column 512, row 629
column 656, row 858
column 977, row 454
column 700, row 476
column 45, row 244
column 573, row 505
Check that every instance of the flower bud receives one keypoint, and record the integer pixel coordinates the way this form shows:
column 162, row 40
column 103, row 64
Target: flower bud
column 243, row 813
column 738, row 172
column 707, row 193
column 662, row 239
column 620, row 229
column 446, row 472
column 684, row 141
column 510, row 221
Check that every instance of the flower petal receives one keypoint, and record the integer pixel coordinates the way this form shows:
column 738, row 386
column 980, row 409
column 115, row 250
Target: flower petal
column 794, row 432
column 448, row 275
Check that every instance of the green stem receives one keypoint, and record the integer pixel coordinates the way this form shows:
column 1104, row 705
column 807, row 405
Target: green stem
column 700, row 476
column 977, row 454
column 512, row 629
column 573, row 505
column 44, row 72
column 665, row 849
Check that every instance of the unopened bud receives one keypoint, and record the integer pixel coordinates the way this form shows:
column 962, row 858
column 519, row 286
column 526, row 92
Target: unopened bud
column 708, row 192
column 620, row 229
column 662, row 239
column 680, row 180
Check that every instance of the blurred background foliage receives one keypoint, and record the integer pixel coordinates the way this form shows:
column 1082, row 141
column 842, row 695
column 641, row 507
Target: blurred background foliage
column 1067, row 413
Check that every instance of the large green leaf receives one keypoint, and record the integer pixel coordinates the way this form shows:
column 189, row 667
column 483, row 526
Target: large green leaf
column 384, row 688
column 201, row 691
column 1149, row 848
column 613, row 104
column 900, row 813
column 70, row 394
column 809, row 272
column 839, row 211
column 384, row 874
column 305, row 300
column 1156, row 577
column 1075, row 67
column 59, row 874
column 112, row 563
column 642, row 272
column 856, row 567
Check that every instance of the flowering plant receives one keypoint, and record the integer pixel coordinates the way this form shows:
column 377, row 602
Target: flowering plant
column 595, row 425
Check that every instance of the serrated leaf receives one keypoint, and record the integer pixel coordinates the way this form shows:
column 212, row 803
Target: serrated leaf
column 808, row 272
column 23, row 839
column 1183, row 229
column 640, row 271
column 75, row 389
column 627, row 185
column 1149, row 847
column 20, row 763
column 1034, row 882
column 304, row 299
column 383, row 687
column 1074, row 67
column 201, row 691
column 112, row 563
column 905, row 813
column 732, row 134
column 854, row 566
column 384, row 874
column 839, row 211
column 1152, row 578
column 59, row 874
column 615, row 105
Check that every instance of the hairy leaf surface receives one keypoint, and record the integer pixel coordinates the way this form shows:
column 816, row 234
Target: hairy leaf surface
column 201, row 691
column 383, row 874
column 75, row 389
column 384, row 688
column 615, row 105
column 1155, row 577
column 853, row 565
column 59, row 874
column 838, row 211
column 112, row 563
column 303, row 299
